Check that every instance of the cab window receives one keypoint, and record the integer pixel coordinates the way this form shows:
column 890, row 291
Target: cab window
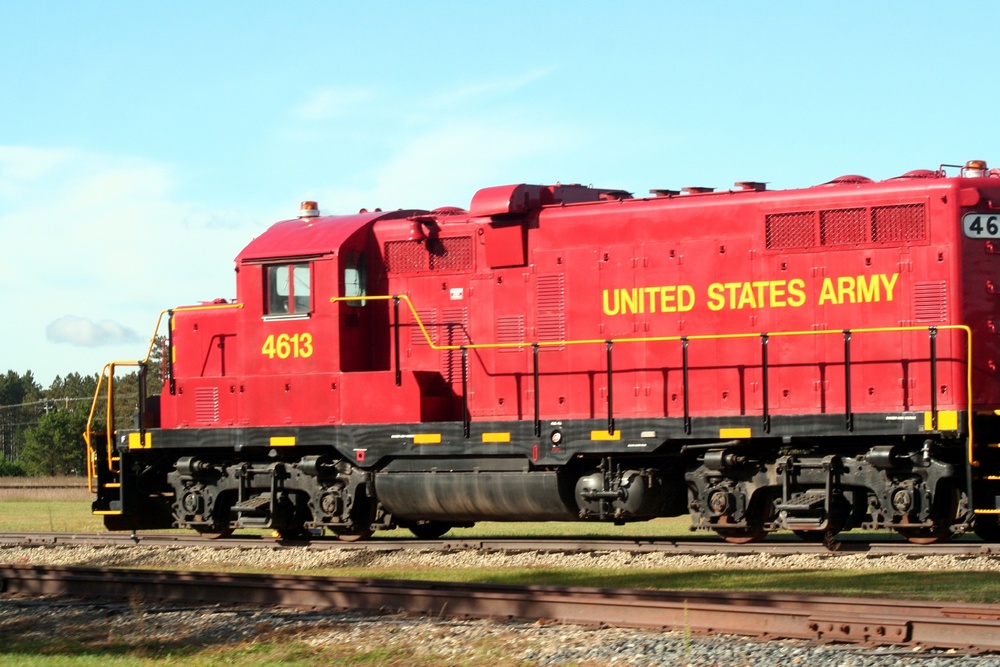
column 355, row 278
column 288, row 289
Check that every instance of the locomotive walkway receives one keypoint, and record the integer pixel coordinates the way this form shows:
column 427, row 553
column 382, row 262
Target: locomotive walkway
column 826, row 619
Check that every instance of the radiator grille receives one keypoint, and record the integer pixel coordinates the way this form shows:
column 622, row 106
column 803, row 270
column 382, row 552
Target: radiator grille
column 206, row 404
column 455, row 331
column 898, row 223
column 846, row 227
column 429, row 318
column 551, row 301
column 551, row 327
column 405, row 257
column 790, row 230
column 843, row 227
column 930, row 302
column 510, row 329
column 449, row 254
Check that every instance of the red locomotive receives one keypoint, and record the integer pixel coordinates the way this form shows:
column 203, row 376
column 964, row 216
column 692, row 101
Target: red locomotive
column 817, row 360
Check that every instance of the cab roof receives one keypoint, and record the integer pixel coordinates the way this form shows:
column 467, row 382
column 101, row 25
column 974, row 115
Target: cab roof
column 311, row 236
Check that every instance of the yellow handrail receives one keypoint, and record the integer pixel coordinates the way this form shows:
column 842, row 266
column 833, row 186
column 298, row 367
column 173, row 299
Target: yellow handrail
column 109, row 369
column 668, row 339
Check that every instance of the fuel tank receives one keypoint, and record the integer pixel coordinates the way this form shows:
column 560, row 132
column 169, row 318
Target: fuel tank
column 476, row 495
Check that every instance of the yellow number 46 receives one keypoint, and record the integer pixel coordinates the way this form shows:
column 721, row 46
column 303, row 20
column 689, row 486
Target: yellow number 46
column 297, row 346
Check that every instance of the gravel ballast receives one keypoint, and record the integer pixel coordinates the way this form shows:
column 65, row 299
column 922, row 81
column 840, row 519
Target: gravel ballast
column 306, row 558
column 449, row 641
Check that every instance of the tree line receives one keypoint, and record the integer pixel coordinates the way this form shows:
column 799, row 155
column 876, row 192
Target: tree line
column 41, row 429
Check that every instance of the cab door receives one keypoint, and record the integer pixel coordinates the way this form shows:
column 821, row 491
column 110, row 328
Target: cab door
column 363, row 323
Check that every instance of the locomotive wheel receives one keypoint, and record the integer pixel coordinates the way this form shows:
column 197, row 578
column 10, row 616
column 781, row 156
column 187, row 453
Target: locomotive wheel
column 941, row 531
column 741, row 535
column 825, row 536
column 214, row 533
column 351, row 535
column 429, row 530
column 761, row 509
column 816, row 535
column 923, row 535
column 933, row 535
column 987, row 527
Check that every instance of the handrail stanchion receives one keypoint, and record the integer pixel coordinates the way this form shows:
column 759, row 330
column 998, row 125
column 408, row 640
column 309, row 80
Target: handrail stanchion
column 465, row 392
column 170, row 356
column 109, row 415
column 534, row 373
column 89, row 433
column 764, row 381
column 933, row 336
column 611, row 404
column 143, row 370
column 685, row 378
column 848, row 412
column 395, row 328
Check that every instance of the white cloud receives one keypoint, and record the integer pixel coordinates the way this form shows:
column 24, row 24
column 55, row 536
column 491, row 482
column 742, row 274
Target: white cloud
column 481, row 91
column 95, row 247
column 446, row 143
column 331, row 103
column 446, row 165
column 21, row 167
column 82, row 332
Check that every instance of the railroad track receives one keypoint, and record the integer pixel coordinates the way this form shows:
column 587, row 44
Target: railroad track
column 965, row 627
column 682, row 546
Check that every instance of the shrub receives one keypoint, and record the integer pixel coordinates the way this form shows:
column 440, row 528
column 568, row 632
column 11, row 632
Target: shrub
column 12, row 469
column 55, row 446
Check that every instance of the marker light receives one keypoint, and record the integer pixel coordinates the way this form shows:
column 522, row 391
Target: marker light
column 974, row 169
column 309, row 209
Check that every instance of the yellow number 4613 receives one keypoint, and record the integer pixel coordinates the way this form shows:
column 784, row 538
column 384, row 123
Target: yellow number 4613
column 283, row 346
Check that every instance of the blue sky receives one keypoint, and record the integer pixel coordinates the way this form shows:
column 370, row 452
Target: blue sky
column 142, row 145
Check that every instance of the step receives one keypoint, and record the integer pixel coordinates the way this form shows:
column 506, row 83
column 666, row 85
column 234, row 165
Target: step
column 254, row 505
column 804, row 502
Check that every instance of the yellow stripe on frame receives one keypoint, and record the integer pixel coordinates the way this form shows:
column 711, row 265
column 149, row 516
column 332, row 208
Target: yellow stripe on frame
column 496, row 437
column 735, row 433
column 604, row 435
column 427, row 439
column 135, row 443
column 283, row 441
column 947, row 420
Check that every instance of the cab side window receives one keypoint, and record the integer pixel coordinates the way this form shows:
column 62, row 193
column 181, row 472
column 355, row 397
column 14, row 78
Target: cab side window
column 288, row 289
column 355, row 278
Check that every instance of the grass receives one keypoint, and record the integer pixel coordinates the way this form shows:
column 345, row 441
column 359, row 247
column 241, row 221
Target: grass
column 46, row 509
column 261, row 652
column 81, row 649
column 952, row 586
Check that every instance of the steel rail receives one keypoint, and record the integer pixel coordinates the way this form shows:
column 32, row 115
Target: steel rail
column 818, row 618
column 685, row 546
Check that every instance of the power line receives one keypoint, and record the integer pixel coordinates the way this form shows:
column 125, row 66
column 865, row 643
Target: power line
column 45, row 402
